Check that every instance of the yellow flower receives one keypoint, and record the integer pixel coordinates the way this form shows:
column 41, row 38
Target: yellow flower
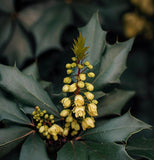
column 68, row 65
column 41, row 130
column 72, row 87
column 73, row 65
column 86, row 63
column 79, row 111
column 66, row 102
column 55, row 129
column 69, row 119
column 90, row 66
column 89, row 86
column 88, row 123
column 95, row 101
column 91, row 74
column 79, row 100
column 67, row 80
column 74, row 58
column 65, row 88
column 82, row 76
column 92, row 109
column 73, row 133
column 80, row 66
column 81, row 84
column 89, row 95
column 65, row 132
column 65, row 112
column 69, row 71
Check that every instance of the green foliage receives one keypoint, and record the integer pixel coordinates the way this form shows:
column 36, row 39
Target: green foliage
column 94, row 144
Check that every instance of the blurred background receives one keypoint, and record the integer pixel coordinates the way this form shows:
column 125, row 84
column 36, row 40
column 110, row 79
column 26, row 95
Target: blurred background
column 43, row 31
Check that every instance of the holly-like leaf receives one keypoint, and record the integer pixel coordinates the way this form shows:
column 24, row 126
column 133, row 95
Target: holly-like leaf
column 73, row 151
column 49, row 27
column 18, row 49
column 113, row 63
column 84, row 150
column 11, row 137
column 34, row 148
column 95, row 39
column 25, row 89
column 106, row 151
column 141, row 147
column 117, row 129
column 5, row 29
column 10, row 111
column 113, row 102
column 33, row 71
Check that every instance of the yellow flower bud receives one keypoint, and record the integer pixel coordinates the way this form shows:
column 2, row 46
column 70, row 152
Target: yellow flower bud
column 69, row 71
column 90, row 66
column 65, row 88
column 64, row 112
column 74, row 58
column 73, row 65
column 72, row 87
column 95, row 101
column 65, row 132
column 88, row 123
column 80, row 66
column 73, row 133
column 68, row 65
column 86, row 63
column 41, row 130
column 79, row 100
column 82, row 76
column 69, row 119
column 48, row 136
column 67, row 125
column 66, row 102
column 34, row 112
column 89, row 95
column 89, row 86
column 45, row 133
column 79, row 111
column 51, row 117
column 77, row 127
column 81, row 84
column 67, row 80
column 92, row 109
column 91, row 74
column 46, row 116
column 55, row 137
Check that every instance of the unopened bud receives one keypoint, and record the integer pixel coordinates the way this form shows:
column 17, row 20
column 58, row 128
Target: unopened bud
column 68, row 65
column 69, row 119
column 64, row 112
column 69, row 71
column 89, row 95
column 65, row 88
column 86, row 63
column 81, row 84
column 72, row 87
column 90, row 66
column 67, row 80
column 74, row 58
column 91, row 74
column 66, row 102
column 89, row 86
column 82, row 76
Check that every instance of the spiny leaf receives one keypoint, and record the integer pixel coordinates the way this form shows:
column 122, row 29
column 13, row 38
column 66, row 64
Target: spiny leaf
column 117, row 129
column 113, row 63
column 25, row 89
column 95, row 39
column 11, row 137
column 113, row 102
column 34, row 148
column 141, row 147
column 10, row 111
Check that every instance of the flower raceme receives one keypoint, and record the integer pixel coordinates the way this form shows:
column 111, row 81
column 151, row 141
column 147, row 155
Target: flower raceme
column 82, row 105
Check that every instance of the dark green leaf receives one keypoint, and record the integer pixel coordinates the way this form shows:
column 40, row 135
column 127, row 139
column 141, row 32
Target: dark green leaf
column 117, row 129
column 113, row 102
column 73, row 151
column 106, row 151
column 5, row 29
column 113, row 63
column 95, row 39
column 78, row 150
column 11, row 137
column 25, row 89
column 18, row 50
column 33, row 148
column 10, row 111
column 141, row 147
column 49, row 27
column 32, row 70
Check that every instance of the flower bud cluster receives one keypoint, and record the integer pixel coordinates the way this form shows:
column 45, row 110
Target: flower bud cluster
column 81, row 107
column 46, row 125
